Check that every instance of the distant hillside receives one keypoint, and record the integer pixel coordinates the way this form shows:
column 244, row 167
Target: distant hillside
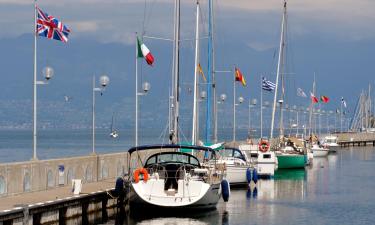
column 342, row 69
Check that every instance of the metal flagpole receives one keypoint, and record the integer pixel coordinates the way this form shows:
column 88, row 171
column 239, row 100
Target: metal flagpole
column 341, row 117
column 234, row 106
column 35, row 91
column 93, row 115
column 136, row 89
column 261, row 109
column 249, row 121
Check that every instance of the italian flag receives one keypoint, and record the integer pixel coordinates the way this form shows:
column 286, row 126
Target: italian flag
column 313, row 98
column 144, row 52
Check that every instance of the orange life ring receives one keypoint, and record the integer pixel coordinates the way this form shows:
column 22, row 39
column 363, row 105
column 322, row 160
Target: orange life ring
column 264, row 146
column 139, row 171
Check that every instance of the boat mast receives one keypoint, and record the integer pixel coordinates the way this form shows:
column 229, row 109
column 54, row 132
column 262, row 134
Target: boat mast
column 194, row 135
column 234, row 105
column 311, row 109
column 281, row 53
column 261, row 107
column 175, row 74
column 210, row 84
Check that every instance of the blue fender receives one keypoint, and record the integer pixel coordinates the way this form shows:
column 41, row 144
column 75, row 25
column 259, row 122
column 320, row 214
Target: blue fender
column 225, row 190
column 248, row 175
column 255, row 176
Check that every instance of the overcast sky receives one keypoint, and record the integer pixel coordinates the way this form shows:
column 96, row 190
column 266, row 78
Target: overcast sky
column 117, row 20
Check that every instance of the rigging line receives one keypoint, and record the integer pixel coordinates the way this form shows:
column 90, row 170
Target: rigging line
column 150, row 13
column 144, row 17
column 182, row 134
column 202, row 19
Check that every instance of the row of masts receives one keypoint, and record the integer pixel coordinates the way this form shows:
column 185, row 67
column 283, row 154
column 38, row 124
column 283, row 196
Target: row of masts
column 363, row 119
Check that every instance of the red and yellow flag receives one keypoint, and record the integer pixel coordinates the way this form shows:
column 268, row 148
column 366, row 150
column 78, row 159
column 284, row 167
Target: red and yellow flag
column 239, row 77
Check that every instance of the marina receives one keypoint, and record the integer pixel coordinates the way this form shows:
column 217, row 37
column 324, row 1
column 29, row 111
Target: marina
column 156, row 119
column 323, row 193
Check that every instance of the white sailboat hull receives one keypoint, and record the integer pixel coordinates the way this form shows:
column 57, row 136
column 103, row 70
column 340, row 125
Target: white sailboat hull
column 190, row 194
column 320, row 152
column 236, row 175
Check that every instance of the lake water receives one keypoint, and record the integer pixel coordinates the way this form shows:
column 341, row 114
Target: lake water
column 17, row 145
column 338, row 189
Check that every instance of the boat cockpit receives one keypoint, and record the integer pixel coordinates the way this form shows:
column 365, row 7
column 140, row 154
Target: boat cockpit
column 171, row 166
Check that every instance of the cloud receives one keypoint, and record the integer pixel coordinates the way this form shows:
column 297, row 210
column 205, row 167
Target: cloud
column 84, row 26
column 334, row 19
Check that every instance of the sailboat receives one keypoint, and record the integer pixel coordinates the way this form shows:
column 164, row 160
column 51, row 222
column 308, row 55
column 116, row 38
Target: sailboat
column 173, row 175
column 290, row 154
column 316, row 148
column 114, row 133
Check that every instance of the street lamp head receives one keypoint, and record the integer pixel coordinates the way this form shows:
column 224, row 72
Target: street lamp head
column 223, row 97
column 104, row 80
column 240, row 99
column 146, row 87
column 254, row 101
column 48, row 72
column 203, row 94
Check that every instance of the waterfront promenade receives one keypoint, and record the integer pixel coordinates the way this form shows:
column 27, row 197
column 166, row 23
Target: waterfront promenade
column 56, row 194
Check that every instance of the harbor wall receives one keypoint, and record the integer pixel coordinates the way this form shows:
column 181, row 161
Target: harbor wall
column 347, row 137
column 39, row 175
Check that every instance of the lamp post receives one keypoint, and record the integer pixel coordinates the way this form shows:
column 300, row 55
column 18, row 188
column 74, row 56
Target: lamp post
column 146, row 88
column 104, row 81
column 240, row 101
column 48, row 74
column 252, row 102
column 222, row 98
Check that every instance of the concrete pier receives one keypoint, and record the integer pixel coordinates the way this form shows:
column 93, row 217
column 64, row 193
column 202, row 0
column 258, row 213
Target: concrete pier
column 40, row 192
column 56, row 205
column 32, row 176
column 355, row 139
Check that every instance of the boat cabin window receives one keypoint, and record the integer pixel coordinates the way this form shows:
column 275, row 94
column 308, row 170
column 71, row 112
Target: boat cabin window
column 266, row 156
column 232, row 153
column 173, row 157
column 254, row 155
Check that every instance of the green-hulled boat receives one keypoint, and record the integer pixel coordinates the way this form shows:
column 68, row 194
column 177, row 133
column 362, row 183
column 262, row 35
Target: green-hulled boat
column 291, row 161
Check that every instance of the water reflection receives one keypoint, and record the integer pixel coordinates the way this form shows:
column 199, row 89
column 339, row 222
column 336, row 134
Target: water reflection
column 315, row 195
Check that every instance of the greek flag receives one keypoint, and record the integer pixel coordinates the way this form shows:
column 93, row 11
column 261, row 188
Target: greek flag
column 267, row 85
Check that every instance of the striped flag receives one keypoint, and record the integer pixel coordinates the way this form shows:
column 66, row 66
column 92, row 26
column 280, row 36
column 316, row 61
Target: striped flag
column 267, row 85
column 144, row 52
column 301, row 93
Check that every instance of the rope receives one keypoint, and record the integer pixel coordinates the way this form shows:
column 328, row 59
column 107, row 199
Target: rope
column 113, row 197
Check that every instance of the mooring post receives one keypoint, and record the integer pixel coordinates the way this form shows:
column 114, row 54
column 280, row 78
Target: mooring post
column 85, row 219
column 104, row 208
column 26, row 215
column 62, row 214
column 36, row 218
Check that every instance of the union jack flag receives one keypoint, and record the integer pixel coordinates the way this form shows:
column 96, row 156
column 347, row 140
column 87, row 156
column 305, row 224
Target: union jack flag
column 51, row 28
